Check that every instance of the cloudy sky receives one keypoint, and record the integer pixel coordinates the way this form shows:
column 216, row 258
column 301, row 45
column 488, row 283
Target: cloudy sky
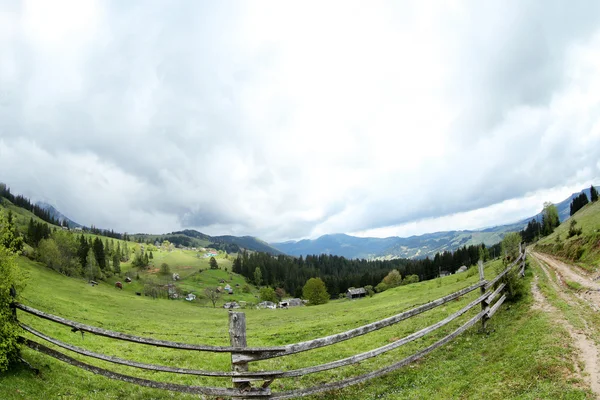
column 288, row 120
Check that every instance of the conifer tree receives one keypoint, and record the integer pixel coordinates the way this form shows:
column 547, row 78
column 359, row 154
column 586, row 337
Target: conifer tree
column 593, row 193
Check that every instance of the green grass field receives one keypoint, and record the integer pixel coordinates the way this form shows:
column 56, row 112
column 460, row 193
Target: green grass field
column 524, row 355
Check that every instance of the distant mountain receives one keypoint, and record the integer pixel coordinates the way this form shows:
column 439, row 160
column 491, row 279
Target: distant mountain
column 58, row 215
column 411, row 247
column 394, row 247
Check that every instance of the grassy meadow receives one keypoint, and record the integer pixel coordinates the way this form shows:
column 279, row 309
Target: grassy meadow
column 523, row 354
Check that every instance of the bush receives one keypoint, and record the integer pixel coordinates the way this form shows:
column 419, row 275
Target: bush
column 164, row 269
column 268, row 294
column 315, row 291
column 515, row 285
column 382, row 287
column 10, row 279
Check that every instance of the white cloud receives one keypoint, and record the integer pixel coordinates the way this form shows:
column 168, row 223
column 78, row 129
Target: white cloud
column 287, row 120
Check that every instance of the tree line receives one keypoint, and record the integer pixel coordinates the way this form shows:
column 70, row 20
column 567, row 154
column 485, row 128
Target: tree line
column 580, row 201
column 339, row 273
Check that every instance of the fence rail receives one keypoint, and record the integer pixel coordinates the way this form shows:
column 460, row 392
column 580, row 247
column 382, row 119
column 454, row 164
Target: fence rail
column 241, row 354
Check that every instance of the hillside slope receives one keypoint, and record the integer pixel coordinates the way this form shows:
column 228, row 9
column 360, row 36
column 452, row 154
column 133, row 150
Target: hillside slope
column 582, row 249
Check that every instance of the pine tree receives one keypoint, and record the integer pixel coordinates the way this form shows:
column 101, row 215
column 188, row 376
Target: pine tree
column 92, row 271
column 593, row 193
column 117, row 263
column 98, row 248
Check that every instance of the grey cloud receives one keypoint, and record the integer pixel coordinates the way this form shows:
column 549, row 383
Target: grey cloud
column 166, row 117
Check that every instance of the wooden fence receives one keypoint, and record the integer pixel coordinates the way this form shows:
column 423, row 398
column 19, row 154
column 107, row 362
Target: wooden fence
column 244, row 381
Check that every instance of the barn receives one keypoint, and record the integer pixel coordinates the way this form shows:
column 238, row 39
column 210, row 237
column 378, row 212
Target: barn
column 356, row 293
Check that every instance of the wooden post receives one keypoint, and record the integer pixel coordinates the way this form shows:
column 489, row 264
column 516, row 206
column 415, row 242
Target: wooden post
column 483, row 303
column 237, row 338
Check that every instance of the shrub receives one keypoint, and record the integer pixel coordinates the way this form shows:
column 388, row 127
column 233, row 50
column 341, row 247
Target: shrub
column 268, row 294
column 10, row 284
column 315, row 291
column 164, row 269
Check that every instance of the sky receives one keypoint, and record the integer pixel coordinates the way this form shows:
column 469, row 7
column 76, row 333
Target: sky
column 293, row 119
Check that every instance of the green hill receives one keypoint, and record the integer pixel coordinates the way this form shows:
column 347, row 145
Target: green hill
column 583, row 248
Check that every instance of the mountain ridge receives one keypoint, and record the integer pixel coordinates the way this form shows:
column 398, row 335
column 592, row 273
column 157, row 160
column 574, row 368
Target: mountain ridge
column 415, row 246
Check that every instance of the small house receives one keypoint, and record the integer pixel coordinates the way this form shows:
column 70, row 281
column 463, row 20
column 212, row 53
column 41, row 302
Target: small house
column 444, row 273
column 190, row 297
column 231, row 305
column 356, row 293
column 462, row 269
column 290, row 303
column 267, row 304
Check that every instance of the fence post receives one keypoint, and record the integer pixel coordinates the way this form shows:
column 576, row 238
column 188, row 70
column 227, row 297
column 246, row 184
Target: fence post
column 482, row 289
column 237, row 338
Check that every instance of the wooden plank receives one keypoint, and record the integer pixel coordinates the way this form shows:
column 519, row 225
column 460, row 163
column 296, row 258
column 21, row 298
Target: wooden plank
column 362, row 378
column 383, row 349
column 352, row 333
column 137, row 339
column 237, row 337
column 496, row 306
column 205, row 390
column 492, row 296
column 483, row 290
column 128, row 363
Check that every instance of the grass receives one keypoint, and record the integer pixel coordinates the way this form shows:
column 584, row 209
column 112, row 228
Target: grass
column 523, row 355
column 576, row 286
column 584, row 249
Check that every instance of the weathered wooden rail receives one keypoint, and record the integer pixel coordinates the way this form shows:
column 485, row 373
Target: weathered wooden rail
column 242, row 355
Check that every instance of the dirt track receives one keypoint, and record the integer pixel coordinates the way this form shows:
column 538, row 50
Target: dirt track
column 588, row 350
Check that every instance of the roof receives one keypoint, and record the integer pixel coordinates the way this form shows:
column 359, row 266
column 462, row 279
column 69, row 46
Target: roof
column 357, row 291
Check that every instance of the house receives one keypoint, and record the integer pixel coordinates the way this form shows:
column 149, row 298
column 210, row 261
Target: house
column 231, row 305
column 356, row 293
column 190, row 297
column 290, row 303
column 444, row 273
column 462, row 269
column 267, row 304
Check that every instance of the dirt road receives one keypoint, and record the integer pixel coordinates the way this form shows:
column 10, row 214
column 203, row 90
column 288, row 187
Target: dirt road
column 589, row 295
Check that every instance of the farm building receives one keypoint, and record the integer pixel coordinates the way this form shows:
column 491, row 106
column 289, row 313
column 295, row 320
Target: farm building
column 444, row 273
column 356, row 293
column 267, row 304
column 190, row 297
column 231, row 305
column 290, row 303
